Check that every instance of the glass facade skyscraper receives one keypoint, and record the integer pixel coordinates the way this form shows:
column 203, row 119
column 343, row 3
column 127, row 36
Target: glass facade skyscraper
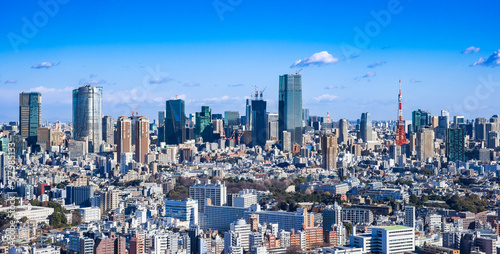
column 204, row 126
column 87, row 116
column 290, row 107
column 259, row 134
column 175, row 122
column 30, row 115
column 231, row 118
column 365, row 127
column 420, row 119
column 455, row 144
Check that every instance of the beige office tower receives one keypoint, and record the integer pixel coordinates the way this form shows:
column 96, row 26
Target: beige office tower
column 253, row 220
column 425, row 144
column 435, row 122
column 343, row 132
column 141, row 139
column 123, row 139
column 109, row 201
column 329, row 151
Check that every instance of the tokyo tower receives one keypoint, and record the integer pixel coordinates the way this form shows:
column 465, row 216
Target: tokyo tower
column 400, row 131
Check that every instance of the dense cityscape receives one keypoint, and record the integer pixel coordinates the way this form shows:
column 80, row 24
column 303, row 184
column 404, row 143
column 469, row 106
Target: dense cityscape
column 259, row 182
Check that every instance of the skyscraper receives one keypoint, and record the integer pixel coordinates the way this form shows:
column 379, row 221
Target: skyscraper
column 480, row 129
column 124, row 139
column 259, row 135
column 30, row 116
column 455, row 144
column 248, row 114
column 365, row 127
column 175, row 122
column 231, row 118
column 343, row 132
column 290, row 107
column 108, row 129
column 272, row 126
column 87, row 116
column 204, row 127
column 420, row 119
column 215, row 192
column 329, row 151
column 425, row 144
column 141, row 137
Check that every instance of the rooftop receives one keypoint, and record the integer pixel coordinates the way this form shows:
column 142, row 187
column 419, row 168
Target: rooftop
column 396, row 227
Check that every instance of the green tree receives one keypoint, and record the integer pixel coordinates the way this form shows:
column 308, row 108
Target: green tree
column 76, row 218
column 24, row 219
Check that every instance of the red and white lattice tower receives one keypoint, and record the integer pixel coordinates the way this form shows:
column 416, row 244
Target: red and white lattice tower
column 400, row 131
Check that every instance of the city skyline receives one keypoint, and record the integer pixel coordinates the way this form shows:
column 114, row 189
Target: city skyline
column 141, row 66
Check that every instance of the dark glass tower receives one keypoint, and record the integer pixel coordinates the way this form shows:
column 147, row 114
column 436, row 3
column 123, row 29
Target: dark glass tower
column 420, row 119
column 290, row 107
column 204, row 126
column 455, row 144
column 365, row 127
column 30, row 116
column 175, row 122
column 259, row 134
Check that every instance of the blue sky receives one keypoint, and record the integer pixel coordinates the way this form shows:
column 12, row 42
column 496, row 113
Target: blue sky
column 215, row 52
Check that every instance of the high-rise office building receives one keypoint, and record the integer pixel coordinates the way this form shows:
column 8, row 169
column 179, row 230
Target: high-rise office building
column 329, row 151
column 410, row 216
column 87, row 116
column 204, row 127
column 290, row 107
column 305, row 117
column 332, row 215
column 272, row 126
column 231, row 118
column 425, row 144
column 175, row 122
column 343, row 131
column 480, row 129
column 443, row 124
column 216, row 192
column 455, row 144
column 141, row 137
column 124, row 138
column 365, row 127
column 108, row 201
column 457, row 120
column 420, row 119
column 161, row 118
column 108, row 129
column 248, row 115
column 259, row 135
column 30, row 116
column 185, row 210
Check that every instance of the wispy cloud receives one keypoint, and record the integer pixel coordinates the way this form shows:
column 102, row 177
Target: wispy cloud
column 470, row 49
column 376, row 64
column 413, row 81
column 54, row 95
column 93, row 82
column 326, row 97
column 318, row 59
column 369, row 74
column 191, row 84
column 10, row 81
column 330, row 87
column 492, row 61
column 235, row 85
column 43, row 65
column 159, row 80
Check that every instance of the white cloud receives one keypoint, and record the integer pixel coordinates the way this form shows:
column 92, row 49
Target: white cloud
column 376, row 64
column 413, row 81
column 320, row 58
column 93, row 82
column 52, row 95
column 369, row 74
column 10, row 81
column 159, row 80
column 330, row 87
column 191, row 84
column 326, row 97
column 470, row 49
column 235, row 85
column 493, row 60
column 43, row 65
